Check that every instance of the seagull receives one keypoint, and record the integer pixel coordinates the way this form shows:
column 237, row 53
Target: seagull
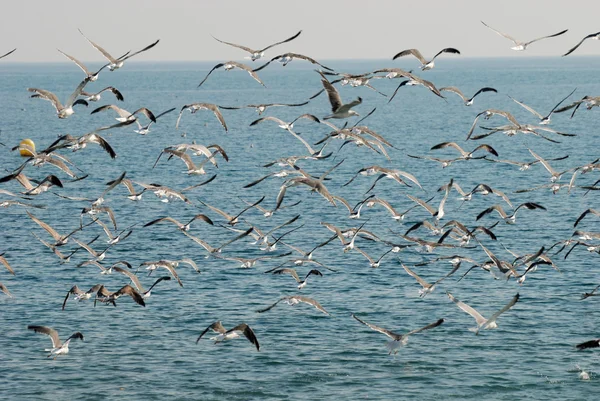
column 106, row 296
column 212, row 250
column 116, row 63
column 58, row 348
column 510, row 219
column 224, row 334
column 261, row 108
column 425, row 64
column 124, row 115
column 294, row 274
column 585, row 213
column 194, row 107
column 427, row 287
column 544, row 120
column 555, row 174
column 60, row 239
column 468, row 101
column 465, row 155
column 229, row 65
column 398, row 340
column 339, row 109
column 257, row 54
column 81, row 295
column 520, row 46
column 181, row 226
column 94, row 97
column 92, row 76
column 296, row 299
column 482, row 322
column 66, row 110
column 590, row 102
column 288, row 57
column 145, row 129
column 595, row 36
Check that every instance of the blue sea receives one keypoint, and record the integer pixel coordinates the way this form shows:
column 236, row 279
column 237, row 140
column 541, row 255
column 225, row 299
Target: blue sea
column 150, row 353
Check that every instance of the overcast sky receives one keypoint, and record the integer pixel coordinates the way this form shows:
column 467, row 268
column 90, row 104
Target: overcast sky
column 348, row 29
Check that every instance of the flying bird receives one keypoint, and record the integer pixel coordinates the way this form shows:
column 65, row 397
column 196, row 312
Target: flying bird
column 230, row 334
column 398, row 340
column 482, row 322
column 257, row 54
column 66, row 110
column 339, row 109
column 58, row 347
column 425, row 64
column 229, row 65
column 116, row 63
column 520, row 46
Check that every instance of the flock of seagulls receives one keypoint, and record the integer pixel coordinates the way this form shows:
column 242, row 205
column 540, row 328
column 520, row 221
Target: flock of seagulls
column 438, row 232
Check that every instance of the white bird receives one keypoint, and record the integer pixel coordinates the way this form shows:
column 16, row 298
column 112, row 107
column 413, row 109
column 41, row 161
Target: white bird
column 398, row 340
column 468, row 101
column 229, row 65
column 482, row 322
column 294, row 274
column 58, row 347
column 339, row 109
column 520, row 46
column 194, row 107
column 294, row 300
column 425, row 64
column 66, row 110
column 116, row 63
column 257, row 54
column 230, row 334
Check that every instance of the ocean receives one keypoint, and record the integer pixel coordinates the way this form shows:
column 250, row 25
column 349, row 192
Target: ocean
column 151, row 352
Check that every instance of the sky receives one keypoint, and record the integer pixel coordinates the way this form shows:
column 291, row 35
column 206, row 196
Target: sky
column 350, row 29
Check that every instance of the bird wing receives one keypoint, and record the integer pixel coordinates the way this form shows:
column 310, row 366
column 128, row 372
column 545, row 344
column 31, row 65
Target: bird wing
column 334, row 96
column 100, row 49
column 454, row 89
column 46, row 227
column 249, row 50
column 310, row 301
column 414, row 275
column 545, row 37
column 248, row 333
column 429, row 326
column 6, row 264
column 493, row 318
column 79, row 63
column 466, row 308
column 133, row 277
column 271, row 306
column 446, row 50
column 47, row 95
column 48, row 331
column 216, row 327
column 414, row 52
column 579, row 44
column 210, row 72
column 129, row 290
column 502, row 34
column 123, row 58
column 10, row 52
column 529, row 109
column 283, row 41
column 289, row 271
column 381, row 330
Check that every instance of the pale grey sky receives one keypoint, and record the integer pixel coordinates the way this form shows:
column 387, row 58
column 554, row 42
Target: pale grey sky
column 351, row 29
